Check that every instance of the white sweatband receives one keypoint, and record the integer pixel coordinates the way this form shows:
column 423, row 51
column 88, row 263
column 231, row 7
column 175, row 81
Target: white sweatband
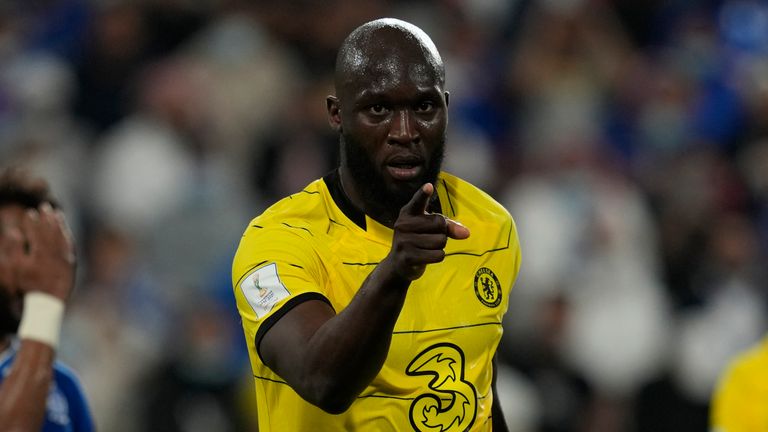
column 41, row 320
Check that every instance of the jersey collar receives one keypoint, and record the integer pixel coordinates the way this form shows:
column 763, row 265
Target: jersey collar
column 333, row 182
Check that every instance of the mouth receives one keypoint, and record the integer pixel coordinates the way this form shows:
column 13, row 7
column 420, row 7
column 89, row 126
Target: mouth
column 405, row 168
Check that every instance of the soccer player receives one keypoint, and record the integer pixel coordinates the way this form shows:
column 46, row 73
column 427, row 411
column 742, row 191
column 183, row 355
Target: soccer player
column 740, row 402
column 37, row 268
column 366, row 304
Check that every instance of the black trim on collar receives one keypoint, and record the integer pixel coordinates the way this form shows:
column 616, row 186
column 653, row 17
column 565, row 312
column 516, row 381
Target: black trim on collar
column 333, row 182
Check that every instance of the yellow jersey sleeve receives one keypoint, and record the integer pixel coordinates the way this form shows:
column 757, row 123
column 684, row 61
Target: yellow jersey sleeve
column 740, row 402
column 274, row 270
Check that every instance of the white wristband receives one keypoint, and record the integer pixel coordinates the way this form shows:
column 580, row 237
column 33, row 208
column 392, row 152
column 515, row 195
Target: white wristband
column 41, row 320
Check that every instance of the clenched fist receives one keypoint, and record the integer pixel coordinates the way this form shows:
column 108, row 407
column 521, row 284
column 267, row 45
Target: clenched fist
column 420, row 237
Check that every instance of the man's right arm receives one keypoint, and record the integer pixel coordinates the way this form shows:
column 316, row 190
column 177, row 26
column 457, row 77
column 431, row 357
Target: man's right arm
column 330, row 358
column 45, row 270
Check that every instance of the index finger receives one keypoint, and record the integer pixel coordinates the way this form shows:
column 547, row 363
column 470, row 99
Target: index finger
column 29, row 228
column 418, row 204
column 66, row 234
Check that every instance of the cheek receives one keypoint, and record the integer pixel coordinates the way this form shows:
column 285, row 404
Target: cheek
column 17, row 307
column 434, row 125
column 370, row 139
column 367, row 131
column 6, row 279
column 11, row 305
column 433, row 133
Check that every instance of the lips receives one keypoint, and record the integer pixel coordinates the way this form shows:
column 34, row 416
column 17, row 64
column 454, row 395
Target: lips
column 404, row 167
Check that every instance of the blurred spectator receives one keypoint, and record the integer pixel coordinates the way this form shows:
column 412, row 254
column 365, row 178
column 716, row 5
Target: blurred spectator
column 739, row 402
column 198, row 378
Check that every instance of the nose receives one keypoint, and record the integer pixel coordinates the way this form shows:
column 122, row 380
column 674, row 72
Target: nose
column 402, row 130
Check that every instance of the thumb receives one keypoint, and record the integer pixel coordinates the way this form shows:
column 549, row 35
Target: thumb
column 456, row 230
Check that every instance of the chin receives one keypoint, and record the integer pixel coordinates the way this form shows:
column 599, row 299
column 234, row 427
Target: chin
column 401, row 192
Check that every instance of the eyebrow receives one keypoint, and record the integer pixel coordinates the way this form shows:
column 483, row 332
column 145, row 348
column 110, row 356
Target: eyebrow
column 368, row 93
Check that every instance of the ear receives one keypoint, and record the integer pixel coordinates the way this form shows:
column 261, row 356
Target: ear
column 334, row 112
column 447, row 97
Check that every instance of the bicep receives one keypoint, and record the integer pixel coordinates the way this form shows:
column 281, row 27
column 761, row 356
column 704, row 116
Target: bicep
column 287, row 339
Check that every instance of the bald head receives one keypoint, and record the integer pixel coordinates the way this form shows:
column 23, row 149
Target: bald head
column 381, row 46
column 390, row 106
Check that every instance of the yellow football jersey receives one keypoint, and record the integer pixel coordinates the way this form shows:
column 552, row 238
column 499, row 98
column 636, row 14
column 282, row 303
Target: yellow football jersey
column 740, row 402
column 437, row 374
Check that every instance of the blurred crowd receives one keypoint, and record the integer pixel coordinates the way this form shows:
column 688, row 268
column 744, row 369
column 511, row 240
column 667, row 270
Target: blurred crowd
column 628, row 139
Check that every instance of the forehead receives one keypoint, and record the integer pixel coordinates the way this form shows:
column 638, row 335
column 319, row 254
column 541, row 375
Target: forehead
column 390, row 76
column 383, row 57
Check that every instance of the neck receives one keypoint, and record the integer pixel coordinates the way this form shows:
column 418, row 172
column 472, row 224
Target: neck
column 380, row 212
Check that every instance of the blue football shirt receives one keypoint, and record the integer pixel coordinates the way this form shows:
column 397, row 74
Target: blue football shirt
column 67, row 409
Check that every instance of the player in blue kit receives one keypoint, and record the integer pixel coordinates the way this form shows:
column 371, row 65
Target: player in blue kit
column 37, row 269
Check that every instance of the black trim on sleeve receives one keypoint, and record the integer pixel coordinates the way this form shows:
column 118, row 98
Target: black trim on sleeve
column 290, row 304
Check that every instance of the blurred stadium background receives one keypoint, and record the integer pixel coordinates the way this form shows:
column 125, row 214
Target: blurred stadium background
column 629, row 140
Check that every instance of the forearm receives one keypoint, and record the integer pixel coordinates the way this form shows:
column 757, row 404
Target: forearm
column 348, row 351
column 24, row 391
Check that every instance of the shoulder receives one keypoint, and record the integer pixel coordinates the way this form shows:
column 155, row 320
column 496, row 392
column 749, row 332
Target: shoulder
column 305, row 208
column 76, row 408
column 62, row 373
column 290, row 230
column 66, row 378
column 752, row 363
column 747, row 371
column 467, row 200
column 6, row 359
column 736, row 401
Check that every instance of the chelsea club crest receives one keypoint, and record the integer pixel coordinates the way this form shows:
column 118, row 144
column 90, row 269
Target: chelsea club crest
column 487, row 287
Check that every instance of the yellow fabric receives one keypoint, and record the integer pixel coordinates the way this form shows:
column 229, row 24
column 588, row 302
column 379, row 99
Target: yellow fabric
column 740, row 402
column 444, row 339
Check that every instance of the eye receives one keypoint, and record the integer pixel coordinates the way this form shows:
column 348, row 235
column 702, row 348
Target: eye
column 425, row 106
column 378, row 109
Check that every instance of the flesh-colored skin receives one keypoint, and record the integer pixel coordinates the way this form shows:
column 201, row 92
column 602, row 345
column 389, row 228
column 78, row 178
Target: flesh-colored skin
column 47, row 265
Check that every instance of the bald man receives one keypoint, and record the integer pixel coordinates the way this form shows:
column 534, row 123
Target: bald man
column 372, row 299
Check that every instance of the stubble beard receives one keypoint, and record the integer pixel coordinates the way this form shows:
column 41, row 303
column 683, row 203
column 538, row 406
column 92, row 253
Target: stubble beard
column 382, row 201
